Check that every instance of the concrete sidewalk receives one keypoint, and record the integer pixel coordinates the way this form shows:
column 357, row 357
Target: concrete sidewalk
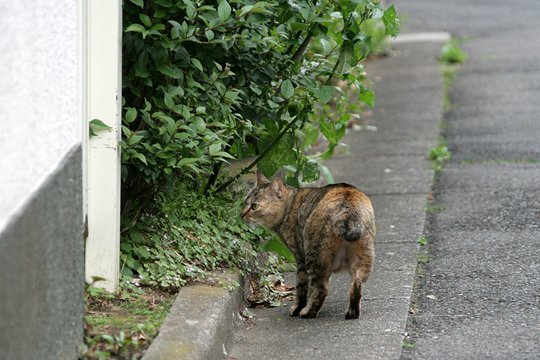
column 388, row 162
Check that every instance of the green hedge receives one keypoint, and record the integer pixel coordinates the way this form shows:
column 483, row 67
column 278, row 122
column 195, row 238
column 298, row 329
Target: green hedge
column 209, row 81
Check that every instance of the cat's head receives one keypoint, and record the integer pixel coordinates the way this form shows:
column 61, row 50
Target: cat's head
column 265, row 203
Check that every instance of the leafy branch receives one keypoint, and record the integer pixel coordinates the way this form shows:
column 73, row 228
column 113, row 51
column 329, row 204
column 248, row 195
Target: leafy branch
column 207, row 82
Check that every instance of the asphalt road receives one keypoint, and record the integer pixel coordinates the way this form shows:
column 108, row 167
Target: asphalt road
column 478, row 297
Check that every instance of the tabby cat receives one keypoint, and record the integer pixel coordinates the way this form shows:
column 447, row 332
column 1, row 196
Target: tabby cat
column 328, row 229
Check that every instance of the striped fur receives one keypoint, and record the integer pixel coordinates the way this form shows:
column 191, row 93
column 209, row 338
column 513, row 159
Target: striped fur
column 329, row 229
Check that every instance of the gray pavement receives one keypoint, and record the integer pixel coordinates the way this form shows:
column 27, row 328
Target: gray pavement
column 390, row 165
column 479, row 295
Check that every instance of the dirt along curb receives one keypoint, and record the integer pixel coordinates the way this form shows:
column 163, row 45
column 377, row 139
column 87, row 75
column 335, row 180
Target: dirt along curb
column 199, row 324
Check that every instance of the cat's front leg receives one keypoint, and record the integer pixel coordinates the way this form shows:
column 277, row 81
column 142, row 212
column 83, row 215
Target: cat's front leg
column 302, row 287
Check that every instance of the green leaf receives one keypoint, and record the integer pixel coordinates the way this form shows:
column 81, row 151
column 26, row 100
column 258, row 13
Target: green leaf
column 324, row 93
column 145, row 19
column 287, row 89
column 311, row 135
column 99, row 125
column 197, row 64
column 255, row 89
column 245, row 10
column 135, row 139
column 190, row 9
column 346, row 55
column 377, row 13
column 272, row 105
column 139, row 3
column 209, row 35
column 198, row 124
column 169, row 102
column 277, row 246
column 224, row 10
column 391, row 21
column 214, row 148
column 126, row 131
column 136, row 28
column 130, row 115
column 140, row 156
column 96, row 126
column 367, row 96
column 232, row 95
column 327, row 128
column 223, row 154
column 310, row 170
column 187, row 161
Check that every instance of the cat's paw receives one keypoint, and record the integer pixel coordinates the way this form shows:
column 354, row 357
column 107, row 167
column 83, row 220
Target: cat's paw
column 295, row 310
column 308, row 313
column 352, row 314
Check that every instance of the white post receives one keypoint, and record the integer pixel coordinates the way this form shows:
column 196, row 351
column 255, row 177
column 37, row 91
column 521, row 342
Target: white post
column 103, row 101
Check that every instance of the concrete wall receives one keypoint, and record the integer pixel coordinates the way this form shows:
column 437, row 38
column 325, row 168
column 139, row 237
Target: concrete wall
column 41, row 242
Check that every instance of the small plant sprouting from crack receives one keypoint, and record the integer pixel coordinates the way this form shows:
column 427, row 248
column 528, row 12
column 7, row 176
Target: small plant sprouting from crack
column 439, row 155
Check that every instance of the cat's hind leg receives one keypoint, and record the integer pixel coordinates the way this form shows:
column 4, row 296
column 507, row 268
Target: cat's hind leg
column 359, row 270
column 355, row 295
column 302, row 286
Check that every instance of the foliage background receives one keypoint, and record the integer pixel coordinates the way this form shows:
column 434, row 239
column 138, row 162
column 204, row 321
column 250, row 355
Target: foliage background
column 210, row 81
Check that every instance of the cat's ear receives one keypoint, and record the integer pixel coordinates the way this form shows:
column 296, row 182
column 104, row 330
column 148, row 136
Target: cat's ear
column 261, row 179
column 278, row 186
column 279, row 174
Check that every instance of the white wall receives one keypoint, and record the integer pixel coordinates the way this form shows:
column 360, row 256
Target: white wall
column 41, row 205
column 39, row 95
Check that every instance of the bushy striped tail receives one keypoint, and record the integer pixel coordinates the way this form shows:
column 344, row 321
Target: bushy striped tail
column 352, row 224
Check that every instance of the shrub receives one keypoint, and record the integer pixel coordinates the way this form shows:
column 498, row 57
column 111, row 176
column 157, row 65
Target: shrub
column 209, row 81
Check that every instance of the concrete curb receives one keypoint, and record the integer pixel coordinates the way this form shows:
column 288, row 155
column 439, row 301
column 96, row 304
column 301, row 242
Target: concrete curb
column 199, row 324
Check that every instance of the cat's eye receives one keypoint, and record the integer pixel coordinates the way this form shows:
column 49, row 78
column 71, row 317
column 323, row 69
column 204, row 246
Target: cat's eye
column 254, row 206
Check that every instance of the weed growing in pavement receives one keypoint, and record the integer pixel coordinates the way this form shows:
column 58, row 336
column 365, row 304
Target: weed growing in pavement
column 451, row 53
column 439, row 155
column 450, row 58
column 408, row 344
column 422, row 240
column 422, row 257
